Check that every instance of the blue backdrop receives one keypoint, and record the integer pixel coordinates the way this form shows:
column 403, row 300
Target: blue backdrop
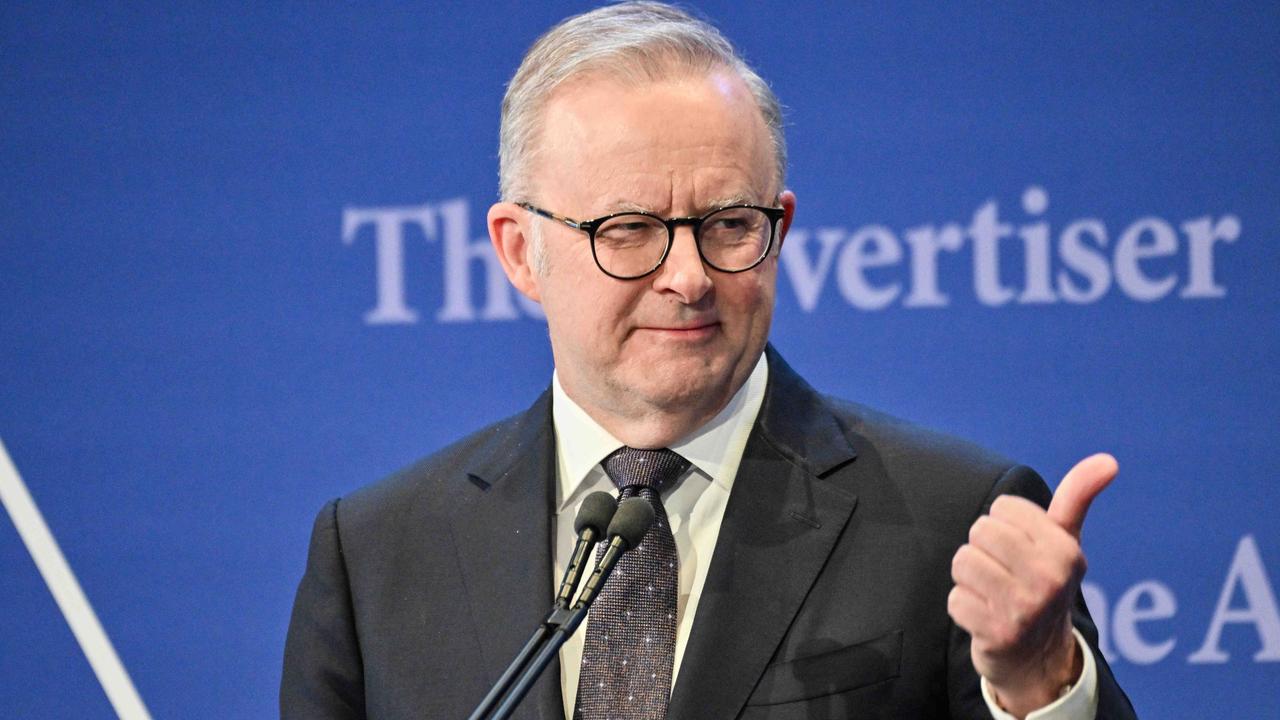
column 240, row 277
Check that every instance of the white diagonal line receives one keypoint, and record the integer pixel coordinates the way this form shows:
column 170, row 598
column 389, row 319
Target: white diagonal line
column 66, row 591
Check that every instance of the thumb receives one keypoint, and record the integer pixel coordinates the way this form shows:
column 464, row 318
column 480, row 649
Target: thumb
column 1077, row 490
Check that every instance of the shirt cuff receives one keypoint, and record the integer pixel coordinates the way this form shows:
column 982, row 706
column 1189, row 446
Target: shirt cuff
column 1078, row 702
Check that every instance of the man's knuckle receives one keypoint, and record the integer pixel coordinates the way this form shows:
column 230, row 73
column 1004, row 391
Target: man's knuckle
column 981, row 531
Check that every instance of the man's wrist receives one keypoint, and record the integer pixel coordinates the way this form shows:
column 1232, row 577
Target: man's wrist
column 1078, row 700
column 1042, row 690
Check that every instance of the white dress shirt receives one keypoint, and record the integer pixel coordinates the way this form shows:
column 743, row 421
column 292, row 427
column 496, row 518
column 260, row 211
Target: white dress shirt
column 695, row 506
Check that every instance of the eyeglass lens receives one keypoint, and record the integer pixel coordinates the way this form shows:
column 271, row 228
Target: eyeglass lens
column 732, row 239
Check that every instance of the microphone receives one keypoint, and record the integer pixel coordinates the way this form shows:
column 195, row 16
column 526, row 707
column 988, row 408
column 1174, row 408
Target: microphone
column 626, row 530
column 593, row 518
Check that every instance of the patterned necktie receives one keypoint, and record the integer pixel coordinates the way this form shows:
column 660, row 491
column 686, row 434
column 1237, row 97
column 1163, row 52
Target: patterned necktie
column 630, row 644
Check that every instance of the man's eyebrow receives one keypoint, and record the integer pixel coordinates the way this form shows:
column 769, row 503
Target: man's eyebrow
column 726, row 201
column 618, row 206
column 745, row 198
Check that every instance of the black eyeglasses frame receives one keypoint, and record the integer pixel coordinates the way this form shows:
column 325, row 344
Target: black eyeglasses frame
column 695, row 222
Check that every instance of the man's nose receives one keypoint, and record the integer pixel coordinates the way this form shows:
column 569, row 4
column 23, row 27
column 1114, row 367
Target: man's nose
column 683, row 272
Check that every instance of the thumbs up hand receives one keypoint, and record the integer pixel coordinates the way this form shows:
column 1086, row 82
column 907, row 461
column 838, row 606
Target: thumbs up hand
column 1016, row 580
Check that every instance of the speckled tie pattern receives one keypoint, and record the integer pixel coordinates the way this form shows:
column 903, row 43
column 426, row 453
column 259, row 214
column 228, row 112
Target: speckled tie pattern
column 631, row 633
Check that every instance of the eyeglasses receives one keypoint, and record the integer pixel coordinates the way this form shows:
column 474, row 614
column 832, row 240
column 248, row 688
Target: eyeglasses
column 630, row 245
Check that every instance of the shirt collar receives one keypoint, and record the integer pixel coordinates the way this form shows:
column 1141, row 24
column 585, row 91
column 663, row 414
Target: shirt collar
column 715, row 449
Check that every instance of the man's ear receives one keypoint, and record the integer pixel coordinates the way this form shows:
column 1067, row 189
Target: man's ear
column 508, row 230
column 788, row 201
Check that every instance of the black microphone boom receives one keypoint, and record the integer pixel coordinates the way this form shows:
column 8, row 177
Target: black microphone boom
column 626, row 528
column 595, row 514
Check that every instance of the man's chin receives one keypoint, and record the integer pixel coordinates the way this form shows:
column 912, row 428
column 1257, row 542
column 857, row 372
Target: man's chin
column 678, row 389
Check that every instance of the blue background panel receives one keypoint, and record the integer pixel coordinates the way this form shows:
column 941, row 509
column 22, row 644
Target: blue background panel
column 187, row 373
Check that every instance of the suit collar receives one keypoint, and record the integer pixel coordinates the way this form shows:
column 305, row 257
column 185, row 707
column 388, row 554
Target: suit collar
column 782, row 521
column 503, row 529
column 798, row 422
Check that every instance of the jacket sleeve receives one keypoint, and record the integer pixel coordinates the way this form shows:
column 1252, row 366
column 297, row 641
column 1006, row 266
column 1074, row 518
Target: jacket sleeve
column 323, row 674
column 966, row 696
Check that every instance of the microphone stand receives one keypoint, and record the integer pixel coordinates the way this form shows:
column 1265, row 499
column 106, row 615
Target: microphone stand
column 566, row 622
column 560, row 612
column 519, row 667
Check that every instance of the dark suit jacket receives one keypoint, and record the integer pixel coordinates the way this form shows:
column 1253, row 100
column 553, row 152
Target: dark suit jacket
column 826, row 595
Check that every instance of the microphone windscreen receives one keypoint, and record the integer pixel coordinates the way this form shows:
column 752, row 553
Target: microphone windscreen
column 633, row 518
column 596, row 512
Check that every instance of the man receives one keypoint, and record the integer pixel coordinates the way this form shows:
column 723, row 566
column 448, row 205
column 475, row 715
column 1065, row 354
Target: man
column 812, row 559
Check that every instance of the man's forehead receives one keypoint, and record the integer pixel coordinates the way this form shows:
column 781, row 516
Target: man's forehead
column 680, row 193
column 635, row 145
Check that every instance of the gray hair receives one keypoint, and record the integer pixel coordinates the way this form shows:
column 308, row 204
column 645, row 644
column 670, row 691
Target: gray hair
column 635, row 41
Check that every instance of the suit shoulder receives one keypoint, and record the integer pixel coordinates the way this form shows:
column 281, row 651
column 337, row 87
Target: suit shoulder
column 436, row 479
column 905, row 449
column 894, row 431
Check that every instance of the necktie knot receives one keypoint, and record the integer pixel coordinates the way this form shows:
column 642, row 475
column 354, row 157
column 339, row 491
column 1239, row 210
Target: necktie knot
column 633, row 467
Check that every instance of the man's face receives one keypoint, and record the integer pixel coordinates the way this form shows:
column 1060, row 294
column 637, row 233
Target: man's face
column 684, row 338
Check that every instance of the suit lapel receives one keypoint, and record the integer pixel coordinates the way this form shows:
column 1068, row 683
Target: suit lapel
column 780, row 526
column 503, row 530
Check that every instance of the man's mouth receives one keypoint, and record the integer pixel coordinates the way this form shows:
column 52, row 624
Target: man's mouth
column 684, row 331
